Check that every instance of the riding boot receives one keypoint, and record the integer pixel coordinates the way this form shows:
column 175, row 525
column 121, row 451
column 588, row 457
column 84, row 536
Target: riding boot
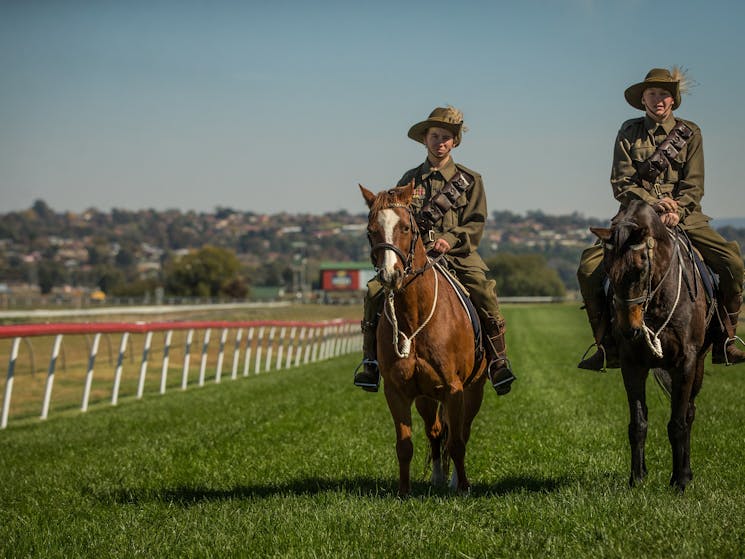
column 724, row 350
column 498, row 369
column 606, row 352
column 369, row 377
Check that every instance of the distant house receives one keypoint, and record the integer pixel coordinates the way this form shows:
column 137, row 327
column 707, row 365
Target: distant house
column 345, row 276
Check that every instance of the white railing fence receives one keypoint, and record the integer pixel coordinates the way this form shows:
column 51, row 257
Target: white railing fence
column 262, row 346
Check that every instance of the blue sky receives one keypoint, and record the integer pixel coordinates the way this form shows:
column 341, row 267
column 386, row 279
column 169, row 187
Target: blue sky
column 285, row 106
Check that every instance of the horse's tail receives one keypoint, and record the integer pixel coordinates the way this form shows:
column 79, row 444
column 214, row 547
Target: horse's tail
column 442, row 441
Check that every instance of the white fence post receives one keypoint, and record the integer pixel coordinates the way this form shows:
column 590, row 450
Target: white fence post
column 203, row 361
column 309, row 345
column 89, row 372
column 143, row 364
column 280, row 347
column 118, row 372
column 187, row 358
column 50, row 376
column 236, row 354
column 9, row 382
column 221, row 355
column 290, row 346
column 300, row 346
column 166, row 359
column 259, row 343
column 249, row 342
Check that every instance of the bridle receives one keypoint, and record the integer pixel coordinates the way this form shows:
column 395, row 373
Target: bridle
column 652, row 337
column 406, row 259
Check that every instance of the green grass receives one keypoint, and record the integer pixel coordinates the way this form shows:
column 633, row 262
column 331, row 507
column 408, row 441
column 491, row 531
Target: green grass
column 299, row 463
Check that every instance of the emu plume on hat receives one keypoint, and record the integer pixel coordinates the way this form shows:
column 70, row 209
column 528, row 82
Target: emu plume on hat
column 675, row 81
column 448, row 118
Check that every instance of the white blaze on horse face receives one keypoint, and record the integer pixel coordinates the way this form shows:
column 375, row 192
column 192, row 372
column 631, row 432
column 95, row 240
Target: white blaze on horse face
column 388, row 220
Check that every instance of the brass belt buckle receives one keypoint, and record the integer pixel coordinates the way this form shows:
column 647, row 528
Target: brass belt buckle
column 431, row 236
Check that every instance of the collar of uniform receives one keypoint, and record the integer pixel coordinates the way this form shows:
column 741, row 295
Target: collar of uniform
column 651, row 125
column 447, row 171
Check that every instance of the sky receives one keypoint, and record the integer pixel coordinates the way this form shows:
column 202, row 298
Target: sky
column 285, row 106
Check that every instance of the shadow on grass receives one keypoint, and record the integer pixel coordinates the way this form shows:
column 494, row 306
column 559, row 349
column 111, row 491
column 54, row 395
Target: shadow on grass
column 354, row 487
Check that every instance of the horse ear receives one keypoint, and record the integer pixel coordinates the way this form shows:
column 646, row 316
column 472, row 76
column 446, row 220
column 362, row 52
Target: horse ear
column 367, row 195
column 602, row 233
column 407, row 192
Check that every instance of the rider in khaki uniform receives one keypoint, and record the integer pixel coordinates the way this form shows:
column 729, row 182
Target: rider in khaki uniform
column 457, row 234
column 676, row 196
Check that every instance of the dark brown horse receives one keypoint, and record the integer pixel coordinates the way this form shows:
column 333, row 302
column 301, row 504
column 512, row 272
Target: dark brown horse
column 425, row 341
column 660, row 322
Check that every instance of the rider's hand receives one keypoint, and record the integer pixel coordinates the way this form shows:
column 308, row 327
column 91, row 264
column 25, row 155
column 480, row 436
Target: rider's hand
column 441, row 246
column 671, row 219
column 666, row 205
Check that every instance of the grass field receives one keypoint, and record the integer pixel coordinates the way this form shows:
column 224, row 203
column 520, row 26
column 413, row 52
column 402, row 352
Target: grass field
column 299, row 463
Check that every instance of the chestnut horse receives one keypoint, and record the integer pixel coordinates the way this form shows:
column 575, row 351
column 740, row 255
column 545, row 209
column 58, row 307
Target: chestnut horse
column 425, row 341
column 660, row 316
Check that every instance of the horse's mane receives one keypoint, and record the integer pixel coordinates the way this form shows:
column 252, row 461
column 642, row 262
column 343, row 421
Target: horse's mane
column 391, row 198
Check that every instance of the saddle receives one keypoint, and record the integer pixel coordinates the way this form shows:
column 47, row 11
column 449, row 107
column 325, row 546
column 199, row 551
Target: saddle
column 709, row 279
column 470, row 309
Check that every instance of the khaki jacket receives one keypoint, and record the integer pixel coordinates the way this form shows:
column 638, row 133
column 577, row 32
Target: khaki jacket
column 463, row 225
column 683, row 180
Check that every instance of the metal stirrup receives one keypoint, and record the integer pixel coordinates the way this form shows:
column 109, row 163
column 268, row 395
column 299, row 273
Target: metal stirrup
column 728, row 341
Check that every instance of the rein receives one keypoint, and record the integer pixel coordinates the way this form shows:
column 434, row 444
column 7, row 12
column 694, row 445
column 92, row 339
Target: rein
column 390, row 313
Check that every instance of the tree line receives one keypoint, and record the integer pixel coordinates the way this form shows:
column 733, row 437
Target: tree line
column 226, row 253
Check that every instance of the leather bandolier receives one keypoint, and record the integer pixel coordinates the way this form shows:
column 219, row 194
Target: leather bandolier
column 656, row 164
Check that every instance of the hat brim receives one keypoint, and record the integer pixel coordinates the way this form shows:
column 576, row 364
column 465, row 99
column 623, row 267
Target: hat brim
column 634, row 93
column 418, row 131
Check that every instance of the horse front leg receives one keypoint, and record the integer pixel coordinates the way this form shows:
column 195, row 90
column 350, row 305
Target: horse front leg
column 428, row 409
column 682, row 414
column 634, row 380
column 456, row 444
column 400, row 408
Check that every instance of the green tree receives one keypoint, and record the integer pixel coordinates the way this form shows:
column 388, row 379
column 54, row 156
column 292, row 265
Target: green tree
column 207, row 272
column 524, row 275
column 50, row 273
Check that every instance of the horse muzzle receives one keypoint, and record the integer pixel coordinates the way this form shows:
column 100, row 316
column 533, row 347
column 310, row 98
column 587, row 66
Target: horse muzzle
column 631, row 334
column 630, row 321
column 391, row 278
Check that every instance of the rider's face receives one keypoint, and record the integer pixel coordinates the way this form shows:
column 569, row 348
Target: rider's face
column 658, row 102
column 439, row 142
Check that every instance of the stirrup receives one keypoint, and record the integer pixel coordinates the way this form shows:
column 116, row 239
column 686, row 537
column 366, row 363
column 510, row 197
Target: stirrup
column 504, row 385
column 600, row 348
column 728, row 341
column 365, row 385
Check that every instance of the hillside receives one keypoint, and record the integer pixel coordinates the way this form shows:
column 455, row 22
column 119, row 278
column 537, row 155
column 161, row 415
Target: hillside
column 126, row 249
